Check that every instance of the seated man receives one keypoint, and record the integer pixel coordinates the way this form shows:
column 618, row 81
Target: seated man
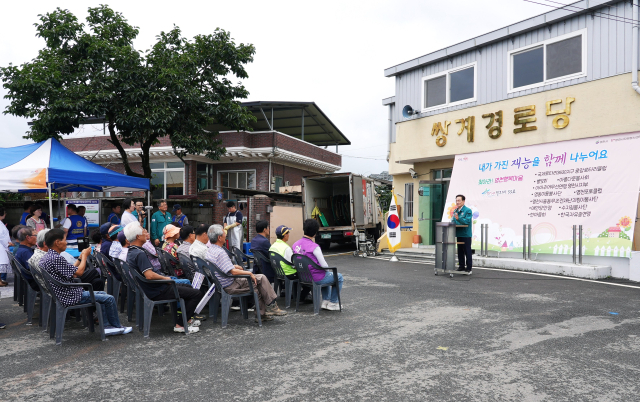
column 307, row 246
column 261, row 243
column 42, row 249
column 282, row 248
column 199, row 246
column 138, row 260
column 266, row 295
column 62, row 271
column 27, row 240
column 188, row 236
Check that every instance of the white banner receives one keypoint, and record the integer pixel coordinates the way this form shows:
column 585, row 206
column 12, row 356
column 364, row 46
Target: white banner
column 592, row 182
column 92, row 213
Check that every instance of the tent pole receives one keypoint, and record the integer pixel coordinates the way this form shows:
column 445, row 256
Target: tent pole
column 50, row 206
column 149, row 211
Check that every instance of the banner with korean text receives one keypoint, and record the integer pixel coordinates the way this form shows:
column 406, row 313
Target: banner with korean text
column 593, row 182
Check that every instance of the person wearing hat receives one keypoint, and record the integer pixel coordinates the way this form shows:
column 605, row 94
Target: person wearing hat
column 178, row 217
column 282, row 248
column 159, row 220
column 261, row 243
column 171, row 234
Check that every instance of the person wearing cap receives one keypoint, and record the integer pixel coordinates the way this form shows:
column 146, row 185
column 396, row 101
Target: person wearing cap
column 282, row 248
column 178, row 217
column 122, row 239
column 261, row 243
column 171, row 234
column 159, row 220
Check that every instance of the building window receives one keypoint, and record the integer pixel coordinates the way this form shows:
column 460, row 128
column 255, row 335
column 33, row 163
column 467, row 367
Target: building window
column 449, row 88
column 167, row 179
column 245, row 179
column 553, row 60
column 408, row 202
column 204, row 176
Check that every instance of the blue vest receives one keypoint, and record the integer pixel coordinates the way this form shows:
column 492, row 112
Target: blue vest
column 110, row 218
column 179, row 221
column 77, row 227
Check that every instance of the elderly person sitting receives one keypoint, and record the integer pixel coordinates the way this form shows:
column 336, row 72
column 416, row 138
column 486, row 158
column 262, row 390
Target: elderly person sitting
column 137, row 259
column 282, row 248
column 41, row 249
column 62, row 271
column 116, row 247
column 27, row 240
column 307, row 246
column 199, row 246
column 266, row 295
column 122, row 239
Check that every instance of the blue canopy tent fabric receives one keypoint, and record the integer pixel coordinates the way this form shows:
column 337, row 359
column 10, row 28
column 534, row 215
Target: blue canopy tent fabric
column 48, row 166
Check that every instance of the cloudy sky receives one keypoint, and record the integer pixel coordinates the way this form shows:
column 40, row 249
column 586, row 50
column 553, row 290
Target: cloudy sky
column 330, row 52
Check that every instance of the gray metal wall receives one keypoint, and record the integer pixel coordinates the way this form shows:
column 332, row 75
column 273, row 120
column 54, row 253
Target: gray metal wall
column 394, row 120
column 608, row 54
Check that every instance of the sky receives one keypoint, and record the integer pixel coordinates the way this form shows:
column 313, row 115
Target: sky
column 333, row 52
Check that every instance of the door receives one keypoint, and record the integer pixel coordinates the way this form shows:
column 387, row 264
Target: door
column 431, row 196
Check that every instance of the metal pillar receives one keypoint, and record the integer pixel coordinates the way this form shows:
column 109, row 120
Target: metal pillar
column 574, row 244
column 302, row 136
column 528, row 242
column 580, row 244
column 336, row 148
column 481, row 240
column 486, row 236
column 524, row 241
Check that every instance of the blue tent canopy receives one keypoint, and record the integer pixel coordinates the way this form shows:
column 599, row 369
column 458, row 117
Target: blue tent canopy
column 31, row 168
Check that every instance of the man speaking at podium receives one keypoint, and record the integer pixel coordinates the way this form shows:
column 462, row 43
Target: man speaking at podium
column 463, row 216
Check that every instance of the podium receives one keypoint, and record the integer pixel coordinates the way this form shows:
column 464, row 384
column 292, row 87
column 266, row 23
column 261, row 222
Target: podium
column 446, row 248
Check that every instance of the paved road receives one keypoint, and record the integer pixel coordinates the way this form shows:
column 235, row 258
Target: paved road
column 405, row 334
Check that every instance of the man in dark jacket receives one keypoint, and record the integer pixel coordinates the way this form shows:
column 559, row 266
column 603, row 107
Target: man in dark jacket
column 463, row 216
column 261, row 243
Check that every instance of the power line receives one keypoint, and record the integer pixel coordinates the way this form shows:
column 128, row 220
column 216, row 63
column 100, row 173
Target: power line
column 363, row 157
column 593, row 14
column 584, row 9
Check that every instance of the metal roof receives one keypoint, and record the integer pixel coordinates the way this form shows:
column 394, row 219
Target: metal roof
column 287, row 118
column 558, row 14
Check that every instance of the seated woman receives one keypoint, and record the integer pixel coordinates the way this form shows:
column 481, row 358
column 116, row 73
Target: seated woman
column 34, row 219
column 171, row 235
column 307, row 246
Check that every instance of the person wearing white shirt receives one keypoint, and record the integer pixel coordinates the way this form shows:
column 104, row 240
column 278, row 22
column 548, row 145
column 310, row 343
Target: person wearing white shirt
column 128, row 206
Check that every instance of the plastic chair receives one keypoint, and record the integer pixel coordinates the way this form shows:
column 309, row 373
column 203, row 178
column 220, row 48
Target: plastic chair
column 17, row 282
column 116, row 280
column 167, row 268
column 207, row 274
column 133, row 296
column 45, row 296
column 302, row 263
column 61, row 310
column 150, row 304
column 221, row 297
column 175, row 262
column 231, row 256
column 241, row 258
column 275, row 260
column 187, row 266
column 29, row 291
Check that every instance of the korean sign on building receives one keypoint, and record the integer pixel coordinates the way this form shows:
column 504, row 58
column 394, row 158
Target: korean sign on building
column 591, row 182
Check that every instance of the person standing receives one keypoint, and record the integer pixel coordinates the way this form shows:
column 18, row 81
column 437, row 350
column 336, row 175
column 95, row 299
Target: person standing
column 128, row 206
column 463, row 216
column 4, row 247
column 113, row 217
column 34, row 220
column 74, row 225
column 159, row 220
column 82, row 210
column 140, row 214
column 178, row 217
column 233, row 224
column 27, row 210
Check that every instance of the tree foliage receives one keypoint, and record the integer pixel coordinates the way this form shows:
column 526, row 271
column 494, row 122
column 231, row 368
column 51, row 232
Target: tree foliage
column 177, row 88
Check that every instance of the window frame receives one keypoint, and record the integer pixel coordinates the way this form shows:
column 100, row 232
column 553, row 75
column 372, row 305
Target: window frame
column 448, row 73
column 405, row 212
column 544, row 44
column 165, row 169
column 219, row 179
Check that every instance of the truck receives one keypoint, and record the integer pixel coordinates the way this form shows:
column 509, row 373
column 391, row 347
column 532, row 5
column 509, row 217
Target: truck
column 344, row 204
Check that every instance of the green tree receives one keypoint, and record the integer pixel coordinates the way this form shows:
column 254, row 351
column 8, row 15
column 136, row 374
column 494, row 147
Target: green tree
column 177, row 88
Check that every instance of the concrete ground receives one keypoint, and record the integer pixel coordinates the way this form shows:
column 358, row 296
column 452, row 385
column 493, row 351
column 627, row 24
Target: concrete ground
column 405, row 334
